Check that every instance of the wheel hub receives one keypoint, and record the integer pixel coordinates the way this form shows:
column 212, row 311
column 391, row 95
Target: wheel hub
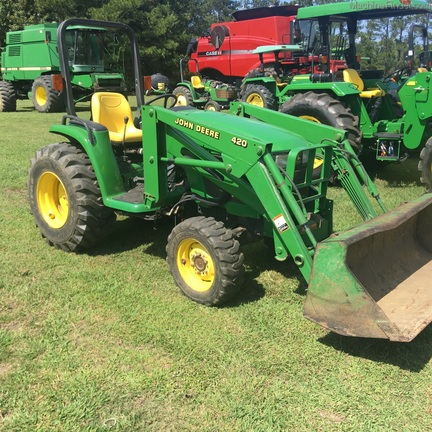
column 199, row 263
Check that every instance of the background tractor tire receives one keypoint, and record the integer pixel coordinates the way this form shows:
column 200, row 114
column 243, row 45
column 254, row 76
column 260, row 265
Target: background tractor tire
column 184, row 96
column 7, row 97
column 205, row 261
column 425, row 165
column 322, row 108
column 258, row 95
column 212, row 105
column 160, row 82
column 45, row 98
column 65, row 198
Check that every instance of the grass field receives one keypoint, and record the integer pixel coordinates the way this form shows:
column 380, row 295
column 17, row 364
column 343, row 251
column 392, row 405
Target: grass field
column 104, row 341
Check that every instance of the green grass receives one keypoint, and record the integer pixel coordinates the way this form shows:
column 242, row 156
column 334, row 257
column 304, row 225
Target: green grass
column 104, row 340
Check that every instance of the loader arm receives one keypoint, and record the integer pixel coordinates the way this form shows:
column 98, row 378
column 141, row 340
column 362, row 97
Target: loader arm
column 243, row 165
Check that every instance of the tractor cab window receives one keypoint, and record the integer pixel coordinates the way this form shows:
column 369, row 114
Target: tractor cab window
column 85, row 47
column 307, row 34
column 338, row 39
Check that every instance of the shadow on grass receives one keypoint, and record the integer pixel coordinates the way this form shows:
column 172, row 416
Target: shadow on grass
column 395, row 174
column 132, row 233
column 412, row 356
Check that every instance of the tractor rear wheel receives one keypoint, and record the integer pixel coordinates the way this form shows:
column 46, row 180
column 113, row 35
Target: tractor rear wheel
column 258, row 95
column 65, row 198
column 425, row 165
column 205, row 261
column 45, row 98
column 322, row 108
column 184, row 96
column 7, row 97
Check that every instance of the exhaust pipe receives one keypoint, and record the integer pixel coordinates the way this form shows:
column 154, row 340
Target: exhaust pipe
column 375, row 280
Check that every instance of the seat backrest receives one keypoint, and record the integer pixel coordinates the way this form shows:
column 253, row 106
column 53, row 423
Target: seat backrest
column 110, row 110
column 352, row 76
column 196, row 81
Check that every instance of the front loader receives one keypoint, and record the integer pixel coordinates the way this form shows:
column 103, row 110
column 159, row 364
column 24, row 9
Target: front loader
column 225, row 177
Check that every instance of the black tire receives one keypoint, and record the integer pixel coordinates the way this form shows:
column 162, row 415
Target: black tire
column 158, row 80
column 45, row 98
column 184, row 96
column 322, row 108
column 268, row 71
column 8, row 97
column 205, row 261
column 425, row 165
column 259, row 95
column 212, row 106
column 65, row 198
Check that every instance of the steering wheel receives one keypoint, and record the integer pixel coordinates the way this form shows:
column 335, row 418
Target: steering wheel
column 166, row 97
column 397, row 74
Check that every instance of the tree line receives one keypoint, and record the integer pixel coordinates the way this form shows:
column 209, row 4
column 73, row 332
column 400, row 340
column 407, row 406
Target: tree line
column 164, row 27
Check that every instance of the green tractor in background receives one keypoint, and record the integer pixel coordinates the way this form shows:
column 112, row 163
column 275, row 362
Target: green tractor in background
column 30, row 66
column 387, row 117
column 204, row 93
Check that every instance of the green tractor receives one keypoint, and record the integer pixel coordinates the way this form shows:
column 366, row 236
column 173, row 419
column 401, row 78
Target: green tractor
column 30, row 66
column 225, row 178
column 388, row 117
column 204, row 93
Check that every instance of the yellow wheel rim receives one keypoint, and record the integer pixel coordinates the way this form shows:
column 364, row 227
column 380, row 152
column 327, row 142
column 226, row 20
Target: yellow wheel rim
column 41, row 96
column 310, row 118
column 255, row 99
column 210, row 108
column 317, row 162
column 52, row 200
column 195, row 265
column 181, row 100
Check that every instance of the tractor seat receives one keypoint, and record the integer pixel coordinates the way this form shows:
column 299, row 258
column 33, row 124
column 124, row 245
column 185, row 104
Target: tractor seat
column 110, row 110
column 196, row 82
column 352, row 76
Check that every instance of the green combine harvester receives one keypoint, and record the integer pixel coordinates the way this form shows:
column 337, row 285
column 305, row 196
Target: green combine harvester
column 30, row 66
column 230, row 177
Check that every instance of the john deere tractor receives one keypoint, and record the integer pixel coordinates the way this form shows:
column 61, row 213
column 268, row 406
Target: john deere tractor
column 225, row 178
column 388, row 117
column 30, row 66
column 199, row 92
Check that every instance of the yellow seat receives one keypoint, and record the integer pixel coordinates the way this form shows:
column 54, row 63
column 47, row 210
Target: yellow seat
column 196, row 82
column 110, row 110
column 352, row 76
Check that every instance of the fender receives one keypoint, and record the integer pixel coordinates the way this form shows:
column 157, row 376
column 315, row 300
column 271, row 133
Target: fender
column 303, row 83
column 94, row 140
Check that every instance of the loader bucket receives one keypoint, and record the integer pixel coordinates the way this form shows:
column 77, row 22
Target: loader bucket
column 375, row 280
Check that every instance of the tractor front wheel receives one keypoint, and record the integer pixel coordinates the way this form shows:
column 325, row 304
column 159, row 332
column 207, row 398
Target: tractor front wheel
column 45, row 98
column 212, row 105
column 425, row 165
column 322, row 108
column 7, row 97
column 65, row 198
column 184, row 96
column 205, row 261
column 258, row 95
